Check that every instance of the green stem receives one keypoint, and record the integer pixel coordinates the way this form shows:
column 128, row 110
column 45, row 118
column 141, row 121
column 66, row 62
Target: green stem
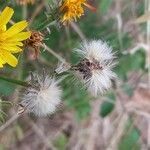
column 45, row 24
column 18, row 82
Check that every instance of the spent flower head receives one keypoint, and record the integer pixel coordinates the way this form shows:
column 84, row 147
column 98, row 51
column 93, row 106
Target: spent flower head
column 11, row 39
column 95, row 67
column 42, row 97
column 35, row 42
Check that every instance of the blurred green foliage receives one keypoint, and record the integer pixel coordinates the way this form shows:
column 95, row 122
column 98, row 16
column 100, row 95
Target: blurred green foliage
column 61, row 142
column 2, row 147
column 128, row 63
column 105, row 5
column 6, row 88
column 130, row 138
column 128, row 89
column 76, row 97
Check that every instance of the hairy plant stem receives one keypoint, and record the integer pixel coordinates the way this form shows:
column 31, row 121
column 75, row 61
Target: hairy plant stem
column 54, row 53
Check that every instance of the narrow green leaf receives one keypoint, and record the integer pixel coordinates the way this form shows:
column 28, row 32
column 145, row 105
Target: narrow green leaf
column 107, row 107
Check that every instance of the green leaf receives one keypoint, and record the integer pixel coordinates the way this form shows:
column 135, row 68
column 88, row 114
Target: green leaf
column 138, row 60
column 128, row 63
column 130, row 140
column 6, row 88
column 107, row 107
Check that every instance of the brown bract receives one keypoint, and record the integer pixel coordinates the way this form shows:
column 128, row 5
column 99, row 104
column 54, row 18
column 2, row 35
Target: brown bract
column 34, row 42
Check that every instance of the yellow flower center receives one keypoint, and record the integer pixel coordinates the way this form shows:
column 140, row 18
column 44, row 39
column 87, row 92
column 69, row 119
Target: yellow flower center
column 72, row 9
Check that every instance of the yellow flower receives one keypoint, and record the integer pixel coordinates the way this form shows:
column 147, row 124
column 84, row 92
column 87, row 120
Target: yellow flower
column 73, row 9
column 11, row 39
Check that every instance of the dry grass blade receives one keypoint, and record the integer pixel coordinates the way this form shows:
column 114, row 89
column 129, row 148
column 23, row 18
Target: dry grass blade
column 143, row 18
column 118, row 133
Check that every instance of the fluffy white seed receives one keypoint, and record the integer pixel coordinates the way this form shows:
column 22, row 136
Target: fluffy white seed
column 62, row 67
column 96, row 49
column 96, row 66
column 43, row 97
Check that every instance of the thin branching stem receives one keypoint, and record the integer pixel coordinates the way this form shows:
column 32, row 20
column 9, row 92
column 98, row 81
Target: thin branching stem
column 53, row 53
column 9, row 122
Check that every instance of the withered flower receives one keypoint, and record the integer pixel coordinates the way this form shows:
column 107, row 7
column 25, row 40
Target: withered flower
column 34, row 42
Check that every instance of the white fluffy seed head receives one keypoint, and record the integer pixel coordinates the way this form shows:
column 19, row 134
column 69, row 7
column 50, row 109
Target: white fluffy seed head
column 96, row 66
column 96, row 49
column 43, row 97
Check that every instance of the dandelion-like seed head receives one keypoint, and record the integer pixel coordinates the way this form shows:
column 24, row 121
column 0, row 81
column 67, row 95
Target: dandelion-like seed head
column 43, row 97
column 95, row 68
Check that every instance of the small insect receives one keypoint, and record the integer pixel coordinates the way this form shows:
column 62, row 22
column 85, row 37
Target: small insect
column 86, row 67
column 21, row 109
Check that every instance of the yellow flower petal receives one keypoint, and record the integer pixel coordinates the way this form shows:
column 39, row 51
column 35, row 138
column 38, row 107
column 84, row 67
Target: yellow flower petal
column 3, row 28
column 5, row 16
column 1, row 66
column 11, row 39
column 16, row 28
column 12, row 44
column 2, row 62
column 9, row 58
column 12, row 49
column 20, row 36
